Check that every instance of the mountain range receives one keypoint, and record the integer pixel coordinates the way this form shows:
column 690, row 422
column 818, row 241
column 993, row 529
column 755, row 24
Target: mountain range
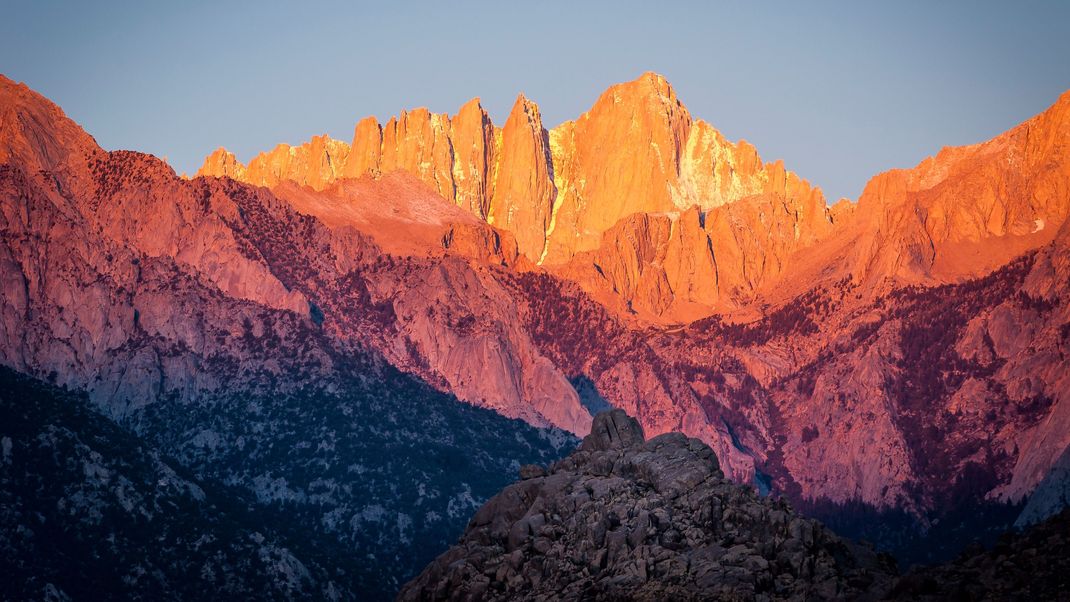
column 900, row 357
column 934, row 306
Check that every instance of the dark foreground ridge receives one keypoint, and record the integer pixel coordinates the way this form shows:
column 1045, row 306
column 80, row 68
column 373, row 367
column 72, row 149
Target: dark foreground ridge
column 626, row 518
column 1032, row 565
column 92, row 510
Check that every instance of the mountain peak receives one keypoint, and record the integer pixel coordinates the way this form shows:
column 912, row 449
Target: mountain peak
column 1064, row 99
column 654, row 79
column 522, row 100
column 8, row 85
column 1058, row 113
column 221, row 163
column 649, row 87
column 525, row 114
column 474, row 101
column 35, row 132
column 650, row 99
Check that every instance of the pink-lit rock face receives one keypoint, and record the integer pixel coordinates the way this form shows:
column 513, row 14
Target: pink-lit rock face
column 903, row 352
column 524, row 191
column 222, row 163
column 313, row 164
column 121, row 210
column 638, row 150
column 366, row 151
column 579, row 187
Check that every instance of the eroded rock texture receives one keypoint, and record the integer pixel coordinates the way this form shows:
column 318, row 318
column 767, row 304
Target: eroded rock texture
column 627, row 518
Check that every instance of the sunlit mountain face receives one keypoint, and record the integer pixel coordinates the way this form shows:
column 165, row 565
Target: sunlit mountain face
column 301, row 377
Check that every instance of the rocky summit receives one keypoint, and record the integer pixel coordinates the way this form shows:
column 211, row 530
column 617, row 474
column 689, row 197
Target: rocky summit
column 624, row 517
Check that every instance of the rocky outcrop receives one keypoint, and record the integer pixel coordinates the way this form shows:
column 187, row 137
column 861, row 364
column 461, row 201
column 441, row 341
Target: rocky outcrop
column 366, row 151
column 524, row 192
column 418, row 141
column 314, row 164
column 473, row 139
column 625, row 518
column 222, row 163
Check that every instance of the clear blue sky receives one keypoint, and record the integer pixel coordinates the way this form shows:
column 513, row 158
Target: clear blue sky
column 840, row 91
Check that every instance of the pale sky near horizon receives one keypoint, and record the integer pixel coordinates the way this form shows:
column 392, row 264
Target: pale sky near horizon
column 839, row 90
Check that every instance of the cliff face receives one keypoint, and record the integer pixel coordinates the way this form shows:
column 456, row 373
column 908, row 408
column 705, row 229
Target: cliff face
column 638, row 150
column 314, row 164
column 474, row 148
column 524, row 191
column 366, row 152
column 579, row 189
column 222, row 163
column 685, row 265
